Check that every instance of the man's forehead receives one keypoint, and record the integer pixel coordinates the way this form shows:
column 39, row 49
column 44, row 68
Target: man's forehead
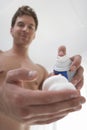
column 25, row 18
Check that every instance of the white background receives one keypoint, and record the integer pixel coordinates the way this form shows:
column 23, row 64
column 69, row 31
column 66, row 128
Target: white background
column 61, row 22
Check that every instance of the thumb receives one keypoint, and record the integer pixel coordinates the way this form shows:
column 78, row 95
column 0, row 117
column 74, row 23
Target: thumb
column 13, row 76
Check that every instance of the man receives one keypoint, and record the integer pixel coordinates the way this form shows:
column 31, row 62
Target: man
column 19, row 75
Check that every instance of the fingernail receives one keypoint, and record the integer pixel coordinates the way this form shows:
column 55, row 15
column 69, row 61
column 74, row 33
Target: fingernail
column 32, row 73
column 82, row 101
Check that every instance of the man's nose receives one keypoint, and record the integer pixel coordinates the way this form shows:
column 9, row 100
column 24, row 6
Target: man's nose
column 26, row 29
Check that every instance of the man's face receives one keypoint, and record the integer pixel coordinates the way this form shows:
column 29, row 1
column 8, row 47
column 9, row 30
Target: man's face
column 23, row 31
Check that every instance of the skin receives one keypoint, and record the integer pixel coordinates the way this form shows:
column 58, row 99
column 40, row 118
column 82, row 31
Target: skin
column 20, row 106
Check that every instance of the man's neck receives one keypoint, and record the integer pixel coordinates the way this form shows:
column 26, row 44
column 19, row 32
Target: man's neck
column 20, row 51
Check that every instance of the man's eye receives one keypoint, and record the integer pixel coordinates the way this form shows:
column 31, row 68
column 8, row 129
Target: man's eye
column 31, row 27
column 21, row 25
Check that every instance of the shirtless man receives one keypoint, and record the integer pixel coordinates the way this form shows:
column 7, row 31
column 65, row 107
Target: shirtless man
column 20, row 107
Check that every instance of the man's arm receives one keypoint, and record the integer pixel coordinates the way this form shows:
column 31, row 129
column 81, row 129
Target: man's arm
column 35, row 107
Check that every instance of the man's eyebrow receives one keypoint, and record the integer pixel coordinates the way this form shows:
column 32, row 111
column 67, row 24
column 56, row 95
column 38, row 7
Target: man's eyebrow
column 20, row 22
column 31, row 24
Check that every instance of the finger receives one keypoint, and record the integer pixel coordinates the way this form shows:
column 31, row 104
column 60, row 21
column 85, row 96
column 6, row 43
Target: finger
column 78, row 78
column 80, row 84
column 20, row 74
column 76, row 61
column 30, row 97
column 45, row 118
column 61, row 51
column 49, row 121
column 41, row 120
column 50, row 111
column 56, row 107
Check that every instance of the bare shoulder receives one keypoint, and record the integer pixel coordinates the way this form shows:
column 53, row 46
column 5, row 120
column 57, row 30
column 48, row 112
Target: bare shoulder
column 1, row 64
column 1, row 52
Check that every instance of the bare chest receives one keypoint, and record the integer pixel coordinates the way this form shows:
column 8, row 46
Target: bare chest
column 10, row 63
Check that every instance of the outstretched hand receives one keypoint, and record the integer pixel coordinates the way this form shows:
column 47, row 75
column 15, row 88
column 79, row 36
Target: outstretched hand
column 35, row 107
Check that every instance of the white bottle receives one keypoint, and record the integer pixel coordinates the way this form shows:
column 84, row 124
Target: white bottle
column 62, row 66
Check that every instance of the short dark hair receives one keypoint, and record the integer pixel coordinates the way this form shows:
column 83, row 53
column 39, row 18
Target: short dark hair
column 25, row 10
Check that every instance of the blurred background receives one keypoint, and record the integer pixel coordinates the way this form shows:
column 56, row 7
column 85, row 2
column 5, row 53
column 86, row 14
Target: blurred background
column 61, row 22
